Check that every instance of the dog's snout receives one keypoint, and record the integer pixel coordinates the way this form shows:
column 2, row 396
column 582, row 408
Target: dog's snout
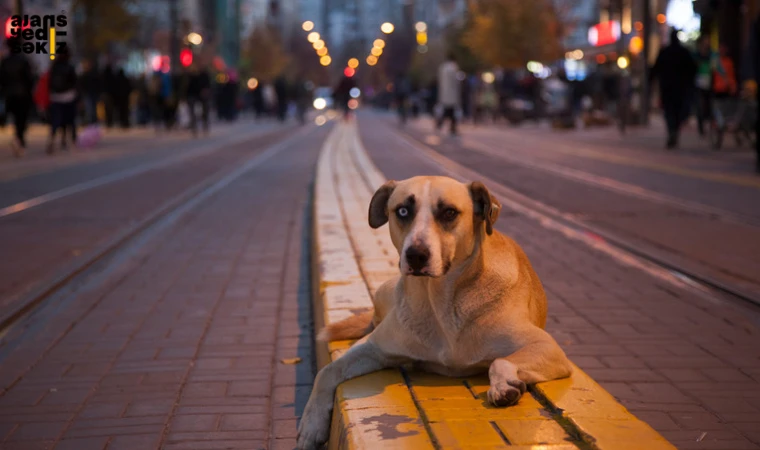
column 417, row 257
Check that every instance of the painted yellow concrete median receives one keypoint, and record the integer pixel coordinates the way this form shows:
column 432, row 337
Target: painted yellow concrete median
column 412, row 410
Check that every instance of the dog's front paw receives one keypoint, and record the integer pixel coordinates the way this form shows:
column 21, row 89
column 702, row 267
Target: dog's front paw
column 506, row 393
column 313, row 430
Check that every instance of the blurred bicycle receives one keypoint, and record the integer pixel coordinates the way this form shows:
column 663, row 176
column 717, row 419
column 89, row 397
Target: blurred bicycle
column 734, row 115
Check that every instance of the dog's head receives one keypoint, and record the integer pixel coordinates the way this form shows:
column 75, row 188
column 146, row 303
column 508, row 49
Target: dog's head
column 435, row 222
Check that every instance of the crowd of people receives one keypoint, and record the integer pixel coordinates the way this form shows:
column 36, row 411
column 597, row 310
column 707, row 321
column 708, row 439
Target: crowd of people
column 69, row 100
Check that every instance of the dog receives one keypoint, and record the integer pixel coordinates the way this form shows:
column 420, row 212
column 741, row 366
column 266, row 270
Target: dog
column 466, row 301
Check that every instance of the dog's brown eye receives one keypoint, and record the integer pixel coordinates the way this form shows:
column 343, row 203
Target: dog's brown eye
column 450, row 214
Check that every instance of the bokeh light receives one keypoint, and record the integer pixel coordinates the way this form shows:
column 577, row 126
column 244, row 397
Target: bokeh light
column 253, row 83
column 319, row 44
column 308, row 25
column 421, row 27
column 320, row 103
column 320, row 120
column 322, row 51
column 488, row 77
column 349, row 72
column 387, row 28
column 195, row 38
column 376, row 51
column 355, row 92
column 379, row 43
column 371, row 60
column 325, row 60
column 313, row 37
column 353, row 103
column 353, row 63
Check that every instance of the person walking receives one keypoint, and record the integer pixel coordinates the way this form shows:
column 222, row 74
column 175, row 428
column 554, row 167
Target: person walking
column 63, row 100
column 109, row 94
column 707, row 62
column 91, row 89
column 449, row 93
column 402, row 90
column 16, row 84
column 198, row 92
column 342, row 95
column 674, row 70
column 281, row 90
column 122, row 94
column 751, row 77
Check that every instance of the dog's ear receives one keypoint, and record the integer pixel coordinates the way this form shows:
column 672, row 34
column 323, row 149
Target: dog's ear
column 485, row 206
column 378, row 206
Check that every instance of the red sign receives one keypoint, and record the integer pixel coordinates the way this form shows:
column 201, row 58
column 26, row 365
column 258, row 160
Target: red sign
column 604, row 33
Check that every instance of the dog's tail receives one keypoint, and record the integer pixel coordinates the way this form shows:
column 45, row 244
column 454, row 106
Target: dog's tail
column 353, row 327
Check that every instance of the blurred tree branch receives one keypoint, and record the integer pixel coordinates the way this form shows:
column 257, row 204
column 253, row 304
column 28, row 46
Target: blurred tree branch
column 509, row 33
column 101, row 22
column 264, row 54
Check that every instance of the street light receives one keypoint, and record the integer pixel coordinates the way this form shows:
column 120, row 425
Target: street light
column 353, row 63
column 308, row 25
column 376, row 51
column 252, row 83
column 622, row 62
column 371, row 60
column 195, row 38
column 421, row 27
column 322, row 51
column 387, row 28
column 313, row 37
column 319, row 44
column 325, row 60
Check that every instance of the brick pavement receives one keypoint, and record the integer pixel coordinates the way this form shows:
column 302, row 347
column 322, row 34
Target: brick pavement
column 181, row 346
column 688, row 366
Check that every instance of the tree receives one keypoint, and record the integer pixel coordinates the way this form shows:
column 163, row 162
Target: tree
column 98, row 23
column 509, row 33
column 264, row 53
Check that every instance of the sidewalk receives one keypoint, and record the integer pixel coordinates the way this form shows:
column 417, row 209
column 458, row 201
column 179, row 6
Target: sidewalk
column 199, row 338
column 413, row 410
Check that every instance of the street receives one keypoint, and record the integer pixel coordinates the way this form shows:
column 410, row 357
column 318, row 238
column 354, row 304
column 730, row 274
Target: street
column 155, row 292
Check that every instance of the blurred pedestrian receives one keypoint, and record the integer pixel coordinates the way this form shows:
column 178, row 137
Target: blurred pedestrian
column 270, row 98
column 342, row 95
column 751, row 76
column 122, row 92
column 707, row 62
column 156, row 100
column 301, row 97
column 91, row 88
column 16, row 84
column 63, row 100
column 258, row 101
column 198, row 95
column 281, row 90
column 108, row 94
column 449, row 93
column 674, row 70
column 401, row 89
column 724, row 79
column 143, row 101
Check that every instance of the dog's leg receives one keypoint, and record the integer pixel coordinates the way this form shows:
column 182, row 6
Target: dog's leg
column 541, row 359
column 368, row 355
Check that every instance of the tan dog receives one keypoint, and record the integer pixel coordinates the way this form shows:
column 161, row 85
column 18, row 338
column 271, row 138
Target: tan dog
column 467, row 301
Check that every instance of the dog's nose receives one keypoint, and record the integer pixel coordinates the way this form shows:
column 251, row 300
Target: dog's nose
column 417, row 257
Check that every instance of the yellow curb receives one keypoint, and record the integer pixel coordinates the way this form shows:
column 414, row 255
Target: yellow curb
column 414, row 410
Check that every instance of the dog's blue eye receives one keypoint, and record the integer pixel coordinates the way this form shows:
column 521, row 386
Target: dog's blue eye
column 402, row 212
